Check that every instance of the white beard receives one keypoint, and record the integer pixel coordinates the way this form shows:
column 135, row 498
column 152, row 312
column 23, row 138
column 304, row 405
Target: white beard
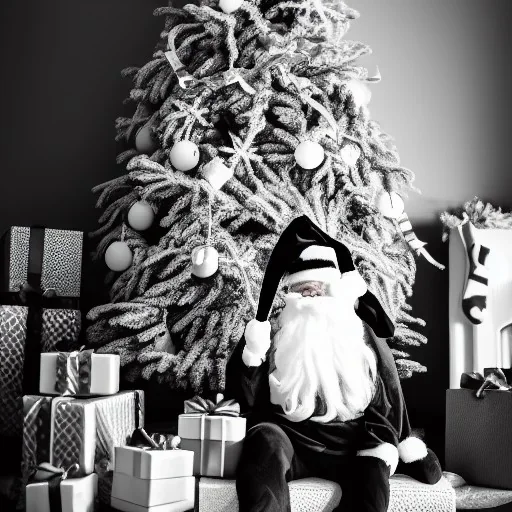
column 321, row 358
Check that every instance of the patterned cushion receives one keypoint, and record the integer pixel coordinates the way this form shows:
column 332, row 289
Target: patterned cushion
column 317, row 495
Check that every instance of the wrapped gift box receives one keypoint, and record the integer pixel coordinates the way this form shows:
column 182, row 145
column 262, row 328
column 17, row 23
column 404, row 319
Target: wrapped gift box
column 154, row 464
column 215, row 440
column 59, row 326
column 61, row 431
column 177, row 506
column 479, row 437
column 150, row 493
column 79, row 373
column 65, row 430
column 54, row 254
column 77, row 495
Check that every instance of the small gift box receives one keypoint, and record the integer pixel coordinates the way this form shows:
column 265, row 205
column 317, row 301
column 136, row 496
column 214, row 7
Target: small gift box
column 54, row 255
column 154, row 464
column 215, row 433
column 79, row 373
column 52, row 491
column 177, row 506
column 478, row 435
column 152, row 493
column 65, row 430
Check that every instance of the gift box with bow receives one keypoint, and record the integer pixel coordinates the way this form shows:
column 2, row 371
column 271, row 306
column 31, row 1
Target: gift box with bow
column 153, row 473
column 478, row 434
column 215, row 433
column 152, row 457
column 65, row 430
column 51, row 490
column 79, row 373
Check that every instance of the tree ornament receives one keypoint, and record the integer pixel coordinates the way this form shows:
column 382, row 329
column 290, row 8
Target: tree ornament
column 217, row 173
column 184, row 155
column 390, row 204
column 144, row 140
column 205, row 261
column 141, row 216
column 360, row 92
column 350, row 153
column 309, row 154
column 118, row 256
column 229, row 6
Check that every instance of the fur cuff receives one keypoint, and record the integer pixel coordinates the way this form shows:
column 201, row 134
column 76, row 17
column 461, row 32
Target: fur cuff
column 386, row 452
column 257, row 342
column 251, row 359
column 257, row 336
column 412, row 449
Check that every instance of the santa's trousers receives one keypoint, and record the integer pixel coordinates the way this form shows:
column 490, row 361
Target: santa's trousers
column 269, row 461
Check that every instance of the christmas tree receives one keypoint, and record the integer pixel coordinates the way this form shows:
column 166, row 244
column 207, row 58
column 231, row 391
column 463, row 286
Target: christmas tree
column 249, row 114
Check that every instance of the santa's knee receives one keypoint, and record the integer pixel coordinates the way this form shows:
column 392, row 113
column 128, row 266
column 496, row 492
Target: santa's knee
column 267, row 441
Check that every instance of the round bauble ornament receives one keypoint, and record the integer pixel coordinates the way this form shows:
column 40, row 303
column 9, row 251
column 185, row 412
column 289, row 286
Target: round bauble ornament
column 205, row 261
column 141, row 216
column 229, row 6
column 309, row 154
column 144, row 140
column 361, row 94
column 390, row 204
column 118, row 256
column 350, row 153
column 184, row 155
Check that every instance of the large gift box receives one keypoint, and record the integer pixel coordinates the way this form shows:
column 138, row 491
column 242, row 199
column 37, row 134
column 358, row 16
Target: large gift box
column 79, row 373
column 57, row 327
column 54, row 255
column 479, row 436
column 62, row 494
column 215, row 433
column 65, row 430
column 151, row 493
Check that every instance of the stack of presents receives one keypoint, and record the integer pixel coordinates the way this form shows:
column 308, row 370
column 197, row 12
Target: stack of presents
column 84, row 446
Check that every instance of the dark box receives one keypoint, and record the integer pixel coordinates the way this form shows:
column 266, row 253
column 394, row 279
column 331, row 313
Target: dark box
column 479, row 437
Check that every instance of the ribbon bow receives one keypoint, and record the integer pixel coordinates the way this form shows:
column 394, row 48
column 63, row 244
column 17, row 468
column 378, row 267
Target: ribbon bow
column 141, row 439
column 45, row 472
column 494, row 379
column 73, row 374
column 198, row 405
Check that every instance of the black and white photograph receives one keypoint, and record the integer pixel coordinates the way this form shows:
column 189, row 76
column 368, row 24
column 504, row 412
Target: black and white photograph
column 256, row 256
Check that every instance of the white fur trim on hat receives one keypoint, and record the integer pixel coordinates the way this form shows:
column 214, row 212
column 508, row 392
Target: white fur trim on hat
column 386, row 452
column 412, row 449
column 324, row 275
column 257, row 342
column 319, row 252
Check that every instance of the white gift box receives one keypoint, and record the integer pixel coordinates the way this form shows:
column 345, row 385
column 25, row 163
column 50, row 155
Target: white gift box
column 154, row 464
column 177, row 506
column 149, row 493
column 77, row 495
column 103, row 379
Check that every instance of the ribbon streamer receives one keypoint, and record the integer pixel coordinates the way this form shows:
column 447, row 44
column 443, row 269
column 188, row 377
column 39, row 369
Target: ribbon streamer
column 73, row 374
column 198, row 405
column 141, row 439
column 494, row 379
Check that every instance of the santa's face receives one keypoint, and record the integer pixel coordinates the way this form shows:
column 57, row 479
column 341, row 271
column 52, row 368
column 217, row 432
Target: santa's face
column 323, row 369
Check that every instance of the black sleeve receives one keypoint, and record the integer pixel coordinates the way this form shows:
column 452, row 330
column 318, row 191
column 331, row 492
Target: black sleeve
column 247, row 385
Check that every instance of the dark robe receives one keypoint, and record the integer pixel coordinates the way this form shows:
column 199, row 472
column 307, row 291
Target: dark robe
column 384, row 421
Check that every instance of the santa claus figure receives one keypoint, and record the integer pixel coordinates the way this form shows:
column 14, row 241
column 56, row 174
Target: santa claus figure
column 322, row 396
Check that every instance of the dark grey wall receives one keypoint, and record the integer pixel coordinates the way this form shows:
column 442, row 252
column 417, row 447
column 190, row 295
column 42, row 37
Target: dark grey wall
column 444, row 97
